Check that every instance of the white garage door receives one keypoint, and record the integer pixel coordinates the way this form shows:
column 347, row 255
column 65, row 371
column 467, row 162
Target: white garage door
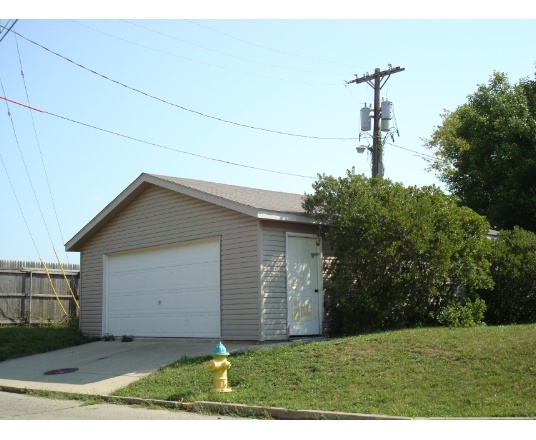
column 171, row 291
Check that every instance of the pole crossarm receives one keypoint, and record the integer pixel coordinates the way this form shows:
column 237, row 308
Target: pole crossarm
column 367, row 77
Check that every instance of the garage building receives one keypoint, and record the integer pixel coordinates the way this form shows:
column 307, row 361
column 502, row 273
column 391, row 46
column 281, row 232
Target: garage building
column 173, row 257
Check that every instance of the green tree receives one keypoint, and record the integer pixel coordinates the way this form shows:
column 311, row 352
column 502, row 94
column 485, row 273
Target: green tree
column 513, row 268
column 400, row 253
column 486, row 152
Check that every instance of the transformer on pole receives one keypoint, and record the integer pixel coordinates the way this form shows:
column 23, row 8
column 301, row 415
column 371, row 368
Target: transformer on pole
column 383, row 114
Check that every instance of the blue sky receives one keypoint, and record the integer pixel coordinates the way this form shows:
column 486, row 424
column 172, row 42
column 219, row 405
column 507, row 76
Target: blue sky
column 285, row 74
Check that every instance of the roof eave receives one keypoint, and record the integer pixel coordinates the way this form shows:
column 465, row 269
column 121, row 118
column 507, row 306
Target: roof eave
column 229, row 204
column 75, row 243
column 139, row 185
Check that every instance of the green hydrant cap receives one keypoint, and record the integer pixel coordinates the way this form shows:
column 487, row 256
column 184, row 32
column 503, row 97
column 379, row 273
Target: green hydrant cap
column 220, row 350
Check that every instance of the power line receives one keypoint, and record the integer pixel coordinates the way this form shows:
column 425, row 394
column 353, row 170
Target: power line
column 26, row 167
column 19, row 205
column 203, row 62
column 180, row 106
column 39, row 206
column 353, row 96
column 183, row 108
column 228, row 54
column 408, row 149
column 39, row 147
column 187, row 152
column 268, row 48
column 7, row 30
column 175, row 149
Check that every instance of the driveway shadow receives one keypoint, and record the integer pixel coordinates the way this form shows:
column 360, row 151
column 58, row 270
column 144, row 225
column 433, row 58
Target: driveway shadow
column 103, row 366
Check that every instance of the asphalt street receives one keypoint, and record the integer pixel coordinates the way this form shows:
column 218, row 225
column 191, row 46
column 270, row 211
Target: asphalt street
column 24, row 407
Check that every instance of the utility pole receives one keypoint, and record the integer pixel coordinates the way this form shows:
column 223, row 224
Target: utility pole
column 375, row 81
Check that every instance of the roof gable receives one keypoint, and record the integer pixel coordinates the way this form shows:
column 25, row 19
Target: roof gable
column 258, row 203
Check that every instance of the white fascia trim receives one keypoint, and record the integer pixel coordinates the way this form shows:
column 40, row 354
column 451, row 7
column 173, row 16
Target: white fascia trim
column 284, row 217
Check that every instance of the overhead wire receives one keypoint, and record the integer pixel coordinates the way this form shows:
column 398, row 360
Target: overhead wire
column 7, row 29
column 18, row 203
column 196, row 112
column 349, row 90
column 180, row 106
column 46, row 178
column 268, row 48
column 203, row 62
column 36, row 199
column 154, row 144
column 228, row 54
column 408, row 149
column 25, row 166
column 38, row 143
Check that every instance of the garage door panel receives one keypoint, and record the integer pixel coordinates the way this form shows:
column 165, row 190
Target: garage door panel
column 166, row 292
column 156, row 267
column 166, row 256
column 203, row 326
column 192, row 278
column 188, row 302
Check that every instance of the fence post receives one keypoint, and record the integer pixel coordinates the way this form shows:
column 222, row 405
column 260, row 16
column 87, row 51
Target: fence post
column 30, row 305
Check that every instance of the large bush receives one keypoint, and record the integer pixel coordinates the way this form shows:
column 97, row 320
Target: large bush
column 400, row 253
column 513, row 268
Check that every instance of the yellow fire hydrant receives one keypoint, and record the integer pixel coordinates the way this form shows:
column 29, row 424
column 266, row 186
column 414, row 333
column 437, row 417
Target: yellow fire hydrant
column 219, row 366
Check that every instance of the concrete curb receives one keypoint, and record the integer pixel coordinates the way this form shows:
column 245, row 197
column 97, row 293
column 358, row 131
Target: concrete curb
column 254, row 411
column 286, row 414
column 226, row 408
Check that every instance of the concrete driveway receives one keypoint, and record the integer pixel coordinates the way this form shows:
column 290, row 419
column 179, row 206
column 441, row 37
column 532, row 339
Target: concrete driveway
column 104, row 366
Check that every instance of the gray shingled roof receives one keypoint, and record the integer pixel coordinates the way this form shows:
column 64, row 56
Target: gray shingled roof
column 256, row 198
column 259, row 203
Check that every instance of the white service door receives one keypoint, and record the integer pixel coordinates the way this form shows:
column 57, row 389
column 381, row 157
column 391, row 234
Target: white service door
column 171, row 291
column 303, row 286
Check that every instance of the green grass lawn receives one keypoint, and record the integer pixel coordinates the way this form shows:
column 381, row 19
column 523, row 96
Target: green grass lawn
column 429, row 372
column 18, row 341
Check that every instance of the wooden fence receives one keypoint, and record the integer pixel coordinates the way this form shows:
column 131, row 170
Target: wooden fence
column 26, row 295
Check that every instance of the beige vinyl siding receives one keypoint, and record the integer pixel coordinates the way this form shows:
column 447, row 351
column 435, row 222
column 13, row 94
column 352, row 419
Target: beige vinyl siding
column 160, row 217
column 274, row 276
